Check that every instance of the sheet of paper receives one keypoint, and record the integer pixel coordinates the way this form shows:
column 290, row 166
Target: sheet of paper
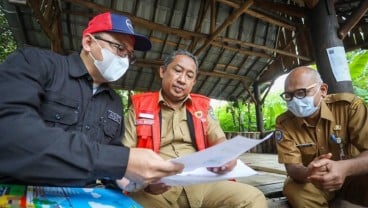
column 339, row 64
column 202, row 175
column 220, row 154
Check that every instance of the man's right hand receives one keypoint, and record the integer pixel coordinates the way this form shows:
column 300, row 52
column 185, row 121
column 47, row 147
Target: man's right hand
column 319, row 165
column 145, row 167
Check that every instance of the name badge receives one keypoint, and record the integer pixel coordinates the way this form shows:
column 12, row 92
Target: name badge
column 145, row 115
column 114, row 116
column 143, row 121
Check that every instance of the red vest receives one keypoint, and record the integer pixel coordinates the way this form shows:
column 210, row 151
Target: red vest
column 148, row 123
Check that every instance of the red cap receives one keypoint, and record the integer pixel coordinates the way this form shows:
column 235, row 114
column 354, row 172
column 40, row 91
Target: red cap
column 109, row 22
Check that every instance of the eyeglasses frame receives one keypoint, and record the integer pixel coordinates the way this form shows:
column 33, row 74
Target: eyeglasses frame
column 121, row 47
column 292, row 94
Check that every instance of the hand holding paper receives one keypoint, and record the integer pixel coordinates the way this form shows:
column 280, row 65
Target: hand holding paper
column 195, row 165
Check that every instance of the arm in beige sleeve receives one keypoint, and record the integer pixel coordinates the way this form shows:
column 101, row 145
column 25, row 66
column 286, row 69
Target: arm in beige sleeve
column 216, row 136
column 129, row 138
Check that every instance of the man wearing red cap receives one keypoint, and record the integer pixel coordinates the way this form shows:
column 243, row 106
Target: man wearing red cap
column 61, row 123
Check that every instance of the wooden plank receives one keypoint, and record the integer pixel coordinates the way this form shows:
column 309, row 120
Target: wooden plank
column 264, row 162
column 270, row 179
column 267, row 169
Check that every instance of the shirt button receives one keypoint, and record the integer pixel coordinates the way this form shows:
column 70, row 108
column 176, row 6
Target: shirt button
column 87, row 127
column 58, row 116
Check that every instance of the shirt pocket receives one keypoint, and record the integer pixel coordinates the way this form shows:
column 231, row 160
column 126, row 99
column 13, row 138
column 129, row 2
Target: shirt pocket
column 144, row 136
column 144, row 131
column 59, row 110
column 110, row 129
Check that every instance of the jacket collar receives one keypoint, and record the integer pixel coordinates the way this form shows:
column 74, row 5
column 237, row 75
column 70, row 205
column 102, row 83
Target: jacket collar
column 161, row 99
column 81, row 71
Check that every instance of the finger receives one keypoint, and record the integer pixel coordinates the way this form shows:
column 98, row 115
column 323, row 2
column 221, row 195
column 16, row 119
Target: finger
column 320, row 163
column 325, row 156
column 168, row 168
column 321, row 170
column 331, row 187
column 316, row 177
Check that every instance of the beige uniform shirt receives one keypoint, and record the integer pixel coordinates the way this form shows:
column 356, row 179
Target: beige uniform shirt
column 175, row 138
column 341, row 116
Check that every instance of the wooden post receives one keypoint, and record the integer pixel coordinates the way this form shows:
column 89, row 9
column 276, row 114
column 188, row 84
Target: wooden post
column 257, row 103
column 324, row 31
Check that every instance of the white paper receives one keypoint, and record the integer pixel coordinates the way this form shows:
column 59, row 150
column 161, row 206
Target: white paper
column 195, row 165
column 219, row 154
column 202, row 175
column 338, row 63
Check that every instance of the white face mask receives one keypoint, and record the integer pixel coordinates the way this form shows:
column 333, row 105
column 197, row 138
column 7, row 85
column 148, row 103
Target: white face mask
column 303, row 107
column 112, row 66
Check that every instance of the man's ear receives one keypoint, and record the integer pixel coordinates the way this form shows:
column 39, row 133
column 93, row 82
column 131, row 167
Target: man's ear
column 86, row 42
column 324, row 89
column 162, row 71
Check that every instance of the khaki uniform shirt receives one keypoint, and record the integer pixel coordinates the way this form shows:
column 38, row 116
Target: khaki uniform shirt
column 175, row 138
column 341, row 116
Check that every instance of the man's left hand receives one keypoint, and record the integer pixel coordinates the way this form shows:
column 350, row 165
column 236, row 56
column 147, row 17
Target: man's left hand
column 229, row 166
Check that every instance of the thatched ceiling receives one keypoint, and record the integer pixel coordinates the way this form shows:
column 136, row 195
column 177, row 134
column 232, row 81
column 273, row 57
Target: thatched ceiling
column 241, row 45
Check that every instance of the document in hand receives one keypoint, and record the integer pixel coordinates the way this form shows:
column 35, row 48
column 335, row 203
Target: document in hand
column 202, row 175
column 195, row 165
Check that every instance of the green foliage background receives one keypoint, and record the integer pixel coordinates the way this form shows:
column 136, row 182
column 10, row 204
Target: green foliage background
column 358, row 64
column 7, row 42
column 242, row 116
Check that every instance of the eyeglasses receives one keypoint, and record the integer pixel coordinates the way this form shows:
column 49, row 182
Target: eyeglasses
column 120, row 49
column 299, row 93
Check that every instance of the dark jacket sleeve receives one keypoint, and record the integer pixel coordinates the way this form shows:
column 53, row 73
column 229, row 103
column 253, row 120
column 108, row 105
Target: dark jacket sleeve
column 34, row 153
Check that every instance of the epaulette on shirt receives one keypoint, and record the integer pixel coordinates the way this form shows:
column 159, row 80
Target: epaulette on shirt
column 347, row 97
column 284, row 116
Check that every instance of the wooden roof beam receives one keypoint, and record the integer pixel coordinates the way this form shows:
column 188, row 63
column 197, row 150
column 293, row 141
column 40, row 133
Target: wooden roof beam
column 353, row 19
column 249, row 92
column 213, row 16
column 137, row 20
column 283, row 52
column 185, row 34
column 283, row 8
column 222, row 74
column 246, row 52
column 155, row 64
column 49, row 23
column 259, row 15
column 226, row 23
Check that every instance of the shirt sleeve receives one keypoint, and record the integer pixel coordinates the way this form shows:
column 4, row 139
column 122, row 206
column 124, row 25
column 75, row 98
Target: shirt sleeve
column 358, row 124
column 287, row 151
column 130, row 136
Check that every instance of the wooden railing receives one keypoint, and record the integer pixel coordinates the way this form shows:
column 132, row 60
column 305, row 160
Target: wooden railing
column 268, row 146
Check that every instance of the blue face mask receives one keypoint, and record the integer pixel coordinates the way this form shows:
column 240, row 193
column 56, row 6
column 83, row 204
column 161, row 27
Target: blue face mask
column 303, row 107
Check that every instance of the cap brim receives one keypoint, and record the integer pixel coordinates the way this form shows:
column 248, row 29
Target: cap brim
column 142, row 43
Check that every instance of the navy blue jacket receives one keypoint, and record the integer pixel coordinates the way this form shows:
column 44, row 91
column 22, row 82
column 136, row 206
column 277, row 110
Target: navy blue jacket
column 53, row 130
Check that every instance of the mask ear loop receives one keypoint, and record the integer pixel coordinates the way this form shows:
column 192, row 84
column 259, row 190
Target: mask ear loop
column 90, row 53
column 95, row 40
column 320, row 99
